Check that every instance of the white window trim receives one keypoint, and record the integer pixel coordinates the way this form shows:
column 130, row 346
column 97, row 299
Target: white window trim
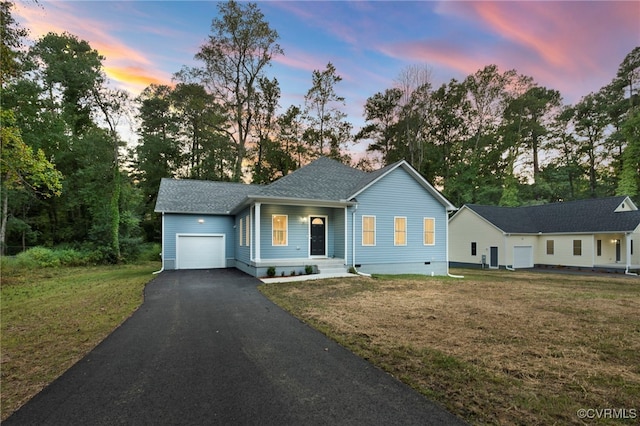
column 286, row 230
column 406, row 231
column 247, row 241
column 573, row 248
column 240, row 232
column 424, row 231
column 374, row 231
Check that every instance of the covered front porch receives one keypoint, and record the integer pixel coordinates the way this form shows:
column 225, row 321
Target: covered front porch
column 615, row 252
column 296, row 267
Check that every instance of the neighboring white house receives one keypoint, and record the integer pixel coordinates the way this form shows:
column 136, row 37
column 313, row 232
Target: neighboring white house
column 594, row 233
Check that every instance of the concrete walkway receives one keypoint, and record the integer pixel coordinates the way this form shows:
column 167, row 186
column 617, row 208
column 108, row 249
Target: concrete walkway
column 207, row 347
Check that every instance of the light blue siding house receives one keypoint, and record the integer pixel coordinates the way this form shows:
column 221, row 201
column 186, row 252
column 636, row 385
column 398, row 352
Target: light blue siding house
column 326, row 214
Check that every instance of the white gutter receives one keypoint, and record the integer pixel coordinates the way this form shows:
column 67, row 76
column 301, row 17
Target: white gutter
column 353, row 237
column 162, row 248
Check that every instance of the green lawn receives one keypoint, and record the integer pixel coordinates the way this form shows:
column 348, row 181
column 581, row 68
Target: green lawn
column 52, row 317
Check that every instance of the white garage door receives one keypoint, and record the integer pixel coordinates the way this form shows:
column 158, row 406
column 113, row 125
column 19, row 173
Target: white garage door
column 200, row 252
column 523, row 257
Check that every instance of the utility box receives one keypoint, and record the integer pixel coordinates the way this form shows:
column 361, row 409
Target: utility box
column 484, row 260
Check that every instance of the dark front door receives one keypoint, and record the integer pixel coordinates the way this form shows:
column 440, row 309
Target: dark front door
column 493, row 257
column 618, row 257
column 318, row 244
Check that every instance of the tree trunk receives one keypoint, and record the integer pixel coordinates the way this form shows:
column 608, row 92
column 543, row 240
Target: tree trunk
column 5, row 216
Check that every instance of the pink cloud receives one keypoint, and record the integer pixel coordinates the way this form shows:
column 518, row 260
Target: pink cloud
column 129, row 67
column 136, row 79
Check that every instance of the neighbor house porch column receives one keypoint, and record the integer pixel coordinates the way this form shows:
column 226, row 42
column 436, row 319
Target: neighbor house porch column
column 627, row 246
column 256, row 232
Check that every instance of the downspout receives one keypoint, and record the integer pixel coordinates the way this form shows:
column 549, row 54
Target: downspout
column 162, row 248
column 353, row 243
column 446, row 225
column 353, row 237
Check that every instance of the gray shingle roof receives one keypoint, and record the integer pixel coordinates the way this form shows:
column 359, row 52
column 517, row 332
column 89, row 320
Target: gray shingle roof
column 323, row 179
column 199, row 196
column 588, row 216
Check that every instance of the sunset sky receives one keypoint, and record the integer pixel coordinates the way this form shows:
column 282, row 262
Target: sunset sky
column 574, row 47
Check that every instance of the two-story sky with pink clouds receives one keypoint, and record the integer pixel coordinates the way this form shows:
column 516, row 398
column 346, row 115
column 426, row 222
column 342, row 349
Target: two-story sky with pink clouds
column 572, row 46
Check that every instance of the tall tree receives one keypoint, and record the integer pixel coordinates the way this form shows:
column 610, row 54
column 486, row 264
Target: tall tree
column 290, row 129
column 11, row 42
column 267, row 147
column 157, row 154
column 22, row 169
column 629, row 182
column 239, row 49
column 448, row 131
column 590, row 121
column 526, row 118
column 327, row 127
column 382, row 112
column 415, row 83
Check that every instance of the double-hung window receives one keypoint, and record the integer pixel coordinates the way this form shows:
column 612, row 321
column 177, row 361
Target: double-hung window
column 577, row 247
column 550, row 247
column 368, row 230
column 247, row 240
column 400, row 231
column 279, row 237
column 429, row 233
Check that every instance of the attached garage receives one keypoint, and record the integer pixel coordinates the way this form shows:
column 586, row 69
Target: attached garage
column 523, row 257
column 200, row 251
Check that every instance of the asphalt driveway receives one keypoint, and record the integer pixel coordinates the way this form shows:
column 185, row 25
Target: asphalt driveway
column 207, row 348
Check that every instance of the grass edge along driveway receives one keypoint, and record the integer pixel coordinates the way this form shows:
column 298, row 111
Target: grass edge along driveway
column 497, row 347
column 52, row 317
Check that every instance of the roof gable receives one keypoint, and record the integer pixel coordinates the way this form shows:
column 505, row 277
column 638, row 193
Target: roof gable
column 375, row 176
column 581, row 216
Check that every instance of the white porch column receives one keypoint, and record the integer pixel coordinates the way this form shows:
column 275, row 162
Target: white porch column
column 256, row 232
column 627, row 247
column 346, row 235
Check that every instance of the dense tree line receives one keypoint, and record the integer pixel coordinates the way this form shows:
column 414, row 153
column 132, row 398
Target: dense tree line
column 497, row 137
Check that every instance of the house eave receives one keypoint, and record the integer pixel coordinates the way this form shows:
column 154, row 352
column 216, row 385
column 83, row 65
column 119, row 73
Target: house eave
column 291, row 201
column 194, row 213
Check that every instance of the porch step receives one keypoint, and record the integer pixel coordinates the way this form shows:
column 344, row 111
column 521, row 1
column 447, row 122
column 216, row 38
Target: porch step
column 332, row 269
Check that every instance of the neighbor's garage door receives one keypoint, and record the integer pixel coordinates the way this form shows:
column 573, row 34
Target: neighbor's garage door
column 523, row 257
column 200, row 252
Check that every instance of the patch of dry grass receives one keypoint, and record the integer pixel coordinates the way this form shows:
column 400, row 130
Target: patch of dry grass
column 496, row 347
